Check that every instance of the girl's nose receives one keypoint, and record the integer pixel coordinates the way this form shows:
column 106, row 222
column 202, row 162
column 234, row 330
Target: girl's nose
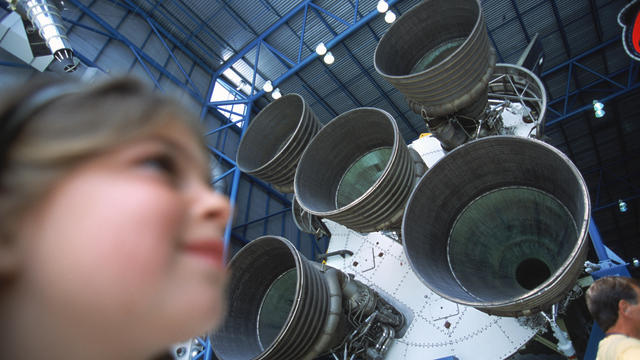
column 211, row 205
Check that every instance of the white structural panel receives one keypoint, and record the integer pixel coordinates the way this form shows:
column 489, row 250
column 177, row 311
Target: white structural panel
column 437, row 327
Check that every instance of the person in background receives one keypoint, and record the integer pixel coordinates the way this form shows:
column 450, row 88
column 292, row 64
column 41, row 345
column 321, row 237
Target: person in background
column 110, row 233
column 614, row 303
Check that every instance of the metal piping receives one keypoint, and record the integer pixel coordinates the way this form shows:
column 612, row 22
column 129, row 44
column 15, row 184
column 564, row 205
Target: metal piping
column 45, row 16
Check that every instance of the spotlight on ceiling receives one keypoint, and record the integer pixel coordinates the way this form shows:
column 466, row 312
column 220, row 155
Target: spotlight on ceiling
column 268, row 86
column 276, row 94
column 382, row 6
column 390, row 17
column 622, row 206
column 329, row 59
column 598, row 108
column 321, row 49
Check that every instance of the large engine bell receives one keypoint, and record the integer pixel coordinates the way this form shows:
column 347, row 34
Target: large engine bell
column 438, row 56
column 285, row 307
column 275, row 139
column 358, row 172
column 499, row 224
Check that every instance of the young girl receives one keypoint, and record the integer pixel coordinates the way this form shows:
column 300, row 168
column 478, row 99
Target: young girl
column 110, row 234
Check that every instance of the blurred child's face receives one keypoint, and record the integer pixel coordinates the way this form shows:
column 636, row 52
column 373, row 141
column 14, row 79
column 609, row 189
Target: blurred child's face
column 129, row 245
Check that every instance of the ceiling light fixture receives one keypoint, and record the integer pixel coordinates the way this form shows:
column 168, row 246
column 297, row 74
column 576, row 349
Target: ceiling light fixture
column 276, row 94
column 622, row 205
column 329, row 59
column 598, row 108
column 321, row 49
column 382, row 6
column 268, row 86
column 390, row 17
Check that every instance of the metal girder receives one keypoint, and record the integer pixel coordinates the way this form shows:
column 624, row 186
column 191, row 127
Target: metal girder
column 301, row 63
column 142, row 56
column 572, row 65
column 368, row 76
column 181, row 28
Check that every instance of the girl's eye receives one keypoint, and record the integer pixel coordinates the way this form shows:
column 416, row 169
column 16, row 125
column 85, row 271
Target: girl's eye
column 162, row 163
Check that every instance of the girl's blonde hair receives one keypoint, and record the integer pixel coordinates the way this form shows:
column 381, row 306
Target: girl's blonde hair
column 60, row 131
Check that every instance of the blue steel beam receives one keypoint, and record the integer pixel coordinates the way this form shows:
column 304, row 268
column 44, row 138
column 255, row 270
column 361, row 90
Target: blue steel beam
column 283, row 199
column 14, row 64
column 596, row 240
column 632, row 83
column 141, row 55
column 303, row 63
column 233, row 197
column 563, row 33
column 590, row 107
column 521, row 21
column 179, row 27
column 284, row 60
column 173, row 57
column 367, row 74
column 168, row 35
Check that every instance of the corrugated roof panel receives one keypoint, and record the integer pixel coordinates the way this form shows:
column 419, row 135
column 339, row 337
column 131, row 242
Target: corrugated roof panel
column 285, row 40
column 362, row 45
column 201, row 79
column 607, row 140
column 363, row 90
column 232, row 30
column 136, row 29
column 204, row 8
column 184, row 16
column 284, row 6
column 609, row 18
column 270, row 66
column 555, row 85
column 525, row 5
column 117, row 57
column 497, row 14
column 581, row 35
column 340, row 9
column 340, row 101
column 554, row 50
column 594, row 63
column 212, row 49
column 510, row 39
column 111, row 13
column 315, row 74
column 321, row 112
column 184, row 62
column 316, row 31
column 343, row 67
column 86, row 41
column 156, row 50
column 379, row 26
column 179, row 31
column 382, row 82
column 571, row 10
column 617, row 59
column 257, row 14
column 541, row 20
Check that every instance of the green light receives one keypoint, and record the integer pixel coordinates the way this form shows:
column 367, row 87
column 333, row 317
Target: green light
column 598, row 108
